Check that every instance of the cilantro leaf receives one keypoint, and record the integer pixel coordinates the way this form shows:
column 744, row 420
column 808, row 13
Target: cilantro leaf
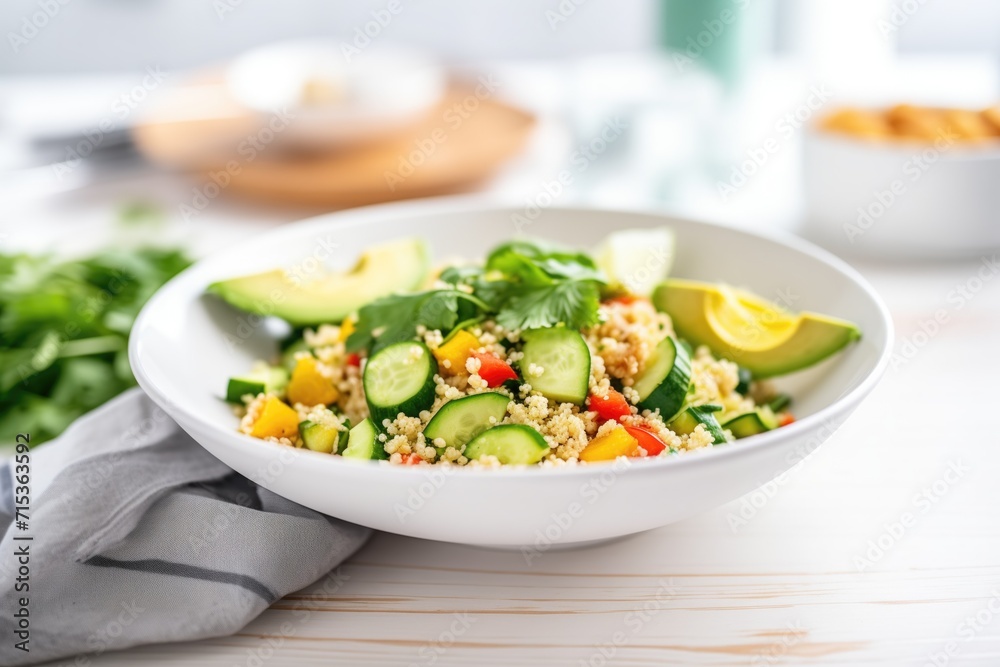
column 573, row 303
column 542, row 286
column 395, row 318
column 523, row 284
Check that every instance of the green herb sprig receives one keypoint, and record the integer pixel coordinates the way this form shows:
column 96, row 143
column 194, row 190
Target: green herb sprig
column 64, row 329
column 523, row 284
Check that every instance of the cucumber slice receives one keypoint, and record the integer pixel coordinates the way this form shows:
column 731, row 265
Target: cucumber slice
column 780, row 402
column 637, row 259
column 399, row 378
column 745, row 377
column 687, row 421
column 266, row 379
column 319, row 437
column 751, row 423
column 363, row 443
column 461, row 420
column 664, row 382
column 564, row 358
column 344, row 436
column 512, row 444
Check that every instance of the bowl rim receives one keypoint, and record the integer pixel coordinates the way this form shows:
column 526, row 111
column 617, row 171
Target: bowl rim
column 957, row 152
column 470, row 204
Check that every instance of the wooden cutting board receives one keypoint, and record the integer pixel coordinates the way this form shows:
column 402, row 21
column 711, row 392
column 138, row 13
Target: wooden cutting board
column 198, row 126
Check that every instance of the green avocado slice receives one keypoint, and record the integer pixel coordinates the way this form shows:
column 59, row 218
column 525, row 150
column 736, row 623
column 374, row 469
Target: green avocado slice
column 755, row 333
column 394, row 267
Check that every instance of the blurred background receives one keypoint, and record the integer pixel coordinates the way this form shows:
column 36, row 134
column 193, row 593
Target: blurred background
column 867, row 125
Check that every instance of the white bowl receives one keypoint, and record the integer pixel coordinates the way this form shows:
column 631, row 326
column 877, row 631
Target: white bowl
column 379, row 92
column 185, row 345
column 901, row 200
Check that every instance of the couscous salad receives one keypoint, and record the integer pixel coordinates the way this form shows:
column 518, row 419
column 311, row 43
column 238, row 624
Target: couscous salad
column 537, row 355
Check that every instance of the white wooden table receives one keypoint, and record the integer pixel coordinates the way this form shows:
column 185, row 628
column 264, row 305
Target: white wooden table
column 786, row 576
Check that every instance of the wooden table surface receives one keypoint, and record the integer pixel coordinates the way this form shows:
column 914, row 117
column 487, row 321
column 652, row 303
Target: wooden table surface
column 883, row 548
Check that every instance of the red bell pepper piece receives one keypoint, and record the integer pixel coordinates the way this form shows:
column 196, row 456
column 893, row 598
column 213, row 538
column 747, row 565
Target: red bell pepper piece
column 647, row 440
column 493, row 369
column 612, row 406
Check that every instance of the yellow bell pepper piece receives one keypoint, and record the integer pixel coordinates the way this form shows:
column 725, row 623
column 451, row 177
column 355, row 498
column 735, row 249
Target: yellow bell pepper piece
column 456, row 352
column 310, row 387
column 276, row 420
column 610, row 446
column 346, row 329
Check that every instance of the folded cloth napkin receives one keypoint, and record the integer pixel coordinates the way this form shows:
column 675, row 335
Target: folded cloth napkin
column 138, row 535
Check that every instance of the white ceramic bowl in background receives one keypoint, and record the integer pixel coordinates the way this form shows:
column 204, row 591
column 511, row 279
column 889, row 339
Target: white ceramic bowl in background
column 900, row 199
column 185, row 345
column 381, row 90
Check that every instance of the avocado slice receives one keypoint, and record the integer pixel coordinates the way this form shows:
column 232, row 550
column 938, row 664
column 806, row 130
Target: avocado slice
column 397, row 266
column 755, row 333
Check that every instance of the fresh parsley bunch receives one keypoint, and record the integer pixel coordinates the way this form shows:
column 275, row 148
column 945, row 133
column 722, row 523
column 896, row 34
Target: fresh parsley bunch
column 523, row 284
column 64, row 329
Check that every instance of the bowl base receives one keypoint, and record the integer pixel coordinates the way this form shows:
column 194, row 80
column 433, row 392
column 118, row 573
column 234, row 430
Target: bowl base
column 559, row 546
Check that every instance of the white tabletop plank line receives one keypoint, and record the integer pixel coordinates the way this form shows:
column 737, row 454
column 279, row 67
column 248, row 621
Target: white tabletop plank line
column 814, row 572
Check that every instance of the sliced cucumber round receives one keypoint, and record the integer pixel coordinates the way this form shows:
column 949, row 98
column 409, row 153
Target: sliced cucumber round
column 363, row 442
column 399, row 378
column 664, row 382
column 512, row 444
column 461, row 420
column 563, row 357
column 319, row 437
column 266, row 379
column 687, row 421
column 751, row 423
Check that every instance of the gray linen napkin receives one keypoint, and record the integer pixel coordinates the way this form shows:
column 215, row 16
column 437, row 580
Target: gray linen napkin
column 138, row 535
